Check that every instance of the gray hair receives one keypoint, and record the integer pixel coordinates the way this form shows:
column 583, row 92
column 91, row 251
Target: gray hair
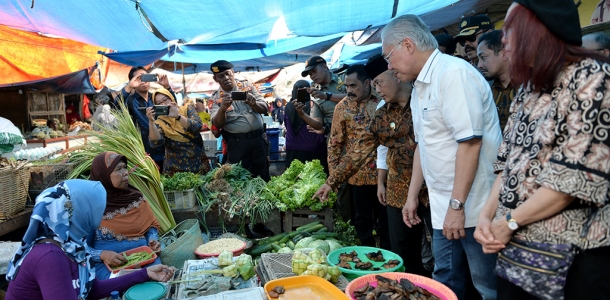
column 409, row 26
column 602, row 40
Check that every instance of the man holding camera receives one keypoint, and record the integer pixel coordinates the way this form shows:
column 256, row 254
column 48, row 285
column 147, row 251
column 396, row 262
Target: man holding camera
column 236, row 110
column 136, row 97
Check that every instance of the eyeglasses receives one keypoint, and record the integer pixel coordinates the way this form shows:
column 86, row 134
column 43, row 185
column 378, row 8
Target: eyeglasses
column 387, row 57
column 163, row 100
column 471, row 38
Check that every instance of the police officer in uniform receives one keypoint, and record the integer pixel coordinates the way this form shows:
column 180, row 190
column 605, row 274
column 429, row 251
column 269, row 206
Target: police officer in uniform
column 240, row 120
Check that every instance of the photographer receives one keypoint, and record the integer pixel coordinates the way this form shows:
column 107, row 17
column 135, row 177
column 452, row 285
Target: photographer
column 240, row 120
column 136, row 97
column 178, row 131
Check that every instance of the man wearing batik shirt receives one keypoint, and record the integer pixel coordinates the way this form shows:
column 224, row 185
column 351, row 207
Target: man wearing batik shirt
column 241, row 121
column 350, row 121
column 392, row 128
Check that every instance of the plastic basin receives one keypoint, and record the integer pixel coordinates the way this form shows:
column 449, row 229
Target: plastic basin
column 305, row 287
column 333, row 259
column 140, row 263
column 436, row 288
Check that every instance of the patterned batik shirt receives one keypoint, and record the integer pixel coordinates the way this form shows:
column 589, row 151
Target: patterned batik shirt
column 560, row 140
column 503, row 97
column 348, row 129
column 392, row 127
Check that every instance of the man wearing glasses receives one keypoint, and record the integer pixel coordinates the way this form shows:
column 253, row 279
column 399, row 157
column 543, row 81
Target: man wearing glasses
column 598, row 41
column 457, row 132
column 471, row 28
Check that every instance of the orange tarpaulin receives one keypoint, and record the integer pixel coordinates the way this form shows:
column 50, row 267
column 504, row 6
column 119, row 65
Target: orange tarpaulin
column 26, row 56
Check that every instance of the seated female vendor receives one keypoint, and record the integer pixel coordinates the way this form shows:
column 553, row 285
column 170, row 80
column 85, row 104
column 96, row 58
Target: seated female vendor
column 128, row 220
column 53, row 261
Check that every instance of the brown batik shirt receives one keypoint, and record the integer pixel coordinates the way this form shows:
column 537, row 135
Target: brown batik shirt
column 349, row 127
column 392, row 127
column 561, row 141
column 503, row 98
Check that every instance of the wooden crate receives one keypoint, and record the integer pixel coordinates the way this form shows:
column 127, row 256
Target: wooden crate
column 300, row 217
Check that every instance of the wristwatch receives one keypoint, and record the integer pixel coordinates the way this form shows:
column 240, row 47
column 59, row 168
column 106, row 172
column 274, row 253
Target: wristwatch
column 512, row 223
column 456, row 204
column 328, row 96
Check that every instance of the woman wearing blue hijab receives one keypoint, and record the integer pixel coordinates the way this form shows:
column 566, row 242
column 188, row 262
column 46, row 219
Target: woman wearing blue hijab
column 53, row 261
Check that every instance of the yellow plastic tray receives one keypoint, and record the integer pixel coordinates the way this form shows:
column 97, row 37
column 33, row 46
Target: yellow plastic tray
column 306, row 287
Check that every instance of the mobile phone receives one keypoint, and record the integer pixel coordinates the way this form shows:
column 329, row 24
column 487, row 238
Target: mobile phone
column 161, row 110
column 302, row 95
column 238, row 96
column 149, row 77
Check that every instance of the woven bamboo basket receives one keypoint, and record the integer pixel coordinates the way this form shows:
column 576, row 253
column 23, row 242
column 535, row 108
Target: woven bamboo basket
column 14, row 182
column 180, row 243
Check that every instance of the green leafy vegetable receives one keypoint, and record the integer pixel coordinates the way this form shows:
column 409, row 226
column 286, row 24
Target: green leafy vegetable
column 295, row 188
column 181, row 181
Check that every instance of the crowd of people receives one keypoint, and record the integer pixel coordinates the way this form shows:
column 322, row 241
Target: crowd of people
column 501, row 156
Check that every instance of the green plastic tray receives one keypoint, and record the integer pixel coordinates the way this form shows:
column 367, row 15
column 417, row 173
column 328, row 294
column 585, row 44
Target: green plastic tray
column 333, row 259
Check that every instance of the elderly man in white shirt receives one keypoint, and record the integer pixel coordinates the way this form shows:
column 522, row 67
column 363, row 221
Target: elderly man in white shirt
column 457, row 133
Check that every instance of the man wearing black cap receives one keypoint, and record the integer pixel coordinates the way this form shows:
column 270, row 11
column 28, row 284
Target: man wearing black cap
column 598, row 41
column 240, row 120
column 471, row 28
column 327, row 90
column 601, row 13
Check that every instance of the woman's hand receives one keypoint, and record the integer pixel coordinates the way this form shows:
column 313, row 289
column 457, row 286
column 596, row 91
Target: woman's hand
column 150, row 114
column 500, row 230
column 298, row 107
column 155, row 246
column 484, row 236
column 112, row 258
column 173, row 110
column 311, row 129
column 161, row 273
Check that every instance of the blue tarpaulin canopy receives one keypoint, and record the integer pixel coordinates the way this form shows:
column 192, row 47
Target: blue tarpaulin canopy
column 257, row 33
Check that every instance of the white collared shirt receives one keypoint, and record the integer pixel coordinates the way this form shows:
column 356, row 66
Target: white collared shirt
column 451, row 102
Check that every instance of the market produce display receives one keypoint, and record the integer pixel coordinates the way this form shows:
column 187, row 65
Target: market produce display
column 218, row 246
column 125, row 139
column 312, row 235
column 296, row 186
column 311, row 261
column 233, row 193
column 218, row 279
column 386, row 288
column 181, row 181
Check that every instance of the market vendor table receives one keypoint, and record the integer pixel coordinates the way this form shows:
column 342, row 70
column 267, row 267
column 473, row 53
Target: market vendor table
column 76, row 140
column 15, row 222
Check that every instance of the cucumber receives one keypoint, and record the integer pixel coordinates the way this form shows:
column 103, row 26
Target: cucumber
column 305, row 234
column 319, row 236
column 290, row 245
column 261, row 249
column 293, row 234
column 297, row 238
column 282, row 245
column 276, row 247
column 285, row 239
column 313, row 228
column 326, row 234
column 277, row 237
column 324, row 229
column 308, row 225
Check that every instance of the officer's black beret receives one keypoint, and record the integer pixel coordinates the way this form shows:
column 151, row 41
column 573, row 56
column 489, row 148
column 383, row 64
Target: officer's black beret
column 560, row 17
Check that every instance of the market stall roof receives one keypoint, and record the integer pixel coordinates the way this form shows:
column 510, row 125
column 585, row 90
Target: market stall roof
column 73, row 83
column 131, row 25
column 254, row 35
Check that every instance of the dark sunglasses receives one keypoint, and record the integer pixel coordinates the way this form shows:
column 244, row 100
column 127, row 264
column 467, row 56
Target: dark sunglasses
column 471, row 38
